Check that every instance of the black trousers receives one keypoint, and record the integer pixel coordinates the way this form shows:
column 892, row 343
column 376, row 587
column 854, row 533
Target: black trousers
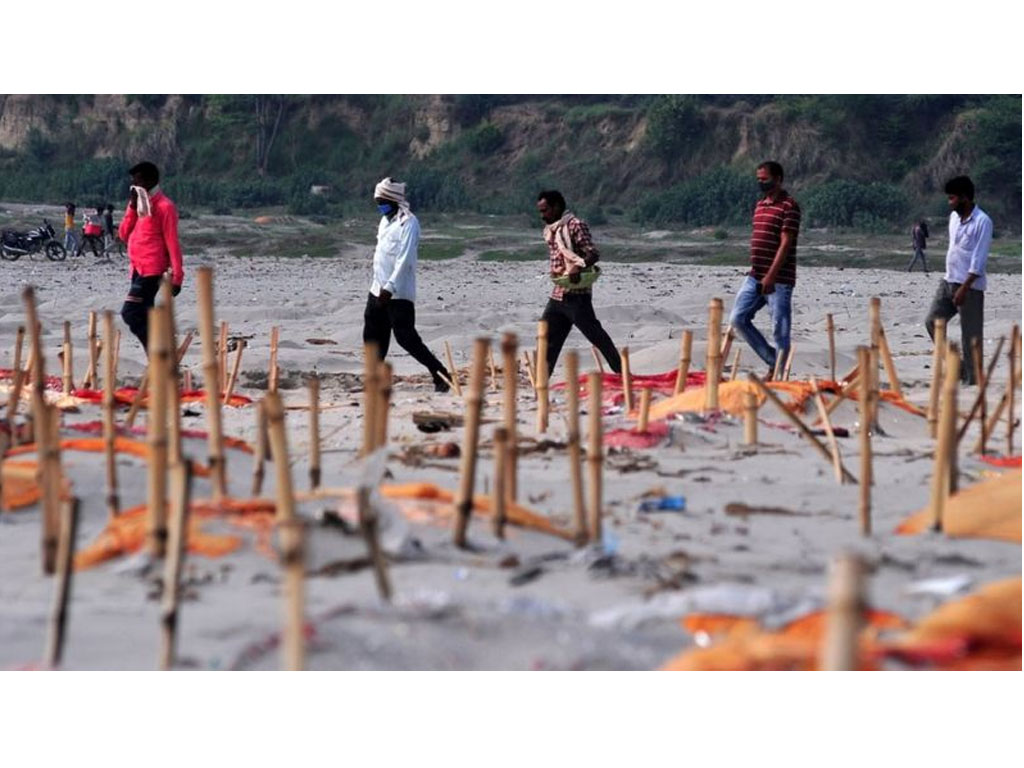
column 95, row 242
column 141, row 297
column 381, row 318
column 577, row 309
column 972, row 322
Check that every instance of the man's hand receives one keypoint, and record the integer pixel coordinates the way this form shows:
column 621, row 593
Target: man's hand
column 175, row 289
column 961, row 295
column 767, row 285
column 385, row 296
column 133, row 200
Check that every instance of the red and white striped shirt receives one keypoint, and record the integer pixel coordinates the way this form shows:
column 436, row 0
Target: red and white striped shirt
column 771, row 219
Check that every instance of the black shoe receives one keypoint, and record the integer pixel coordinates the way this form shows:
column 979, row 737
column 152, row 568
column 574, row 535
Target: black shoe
column 440, row 385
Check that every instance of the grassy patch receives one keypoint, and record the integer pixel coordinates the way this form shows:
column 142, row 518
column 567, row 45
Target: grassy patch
column 507, row 256
column 440, row 251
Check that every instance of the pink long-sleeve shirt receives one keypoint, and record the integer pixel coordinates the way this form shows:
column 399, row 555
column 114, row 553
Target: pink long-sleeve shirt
column 153, row 243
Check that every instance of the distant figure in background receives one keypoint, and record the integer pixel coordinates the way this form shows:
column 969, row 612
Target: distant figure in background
column 92, row 233
column 962, row 289
column 390, row 305
column 572, row 260
column 920, row 241
column 150, row 228
column 70, row 235
column 772, row 275
column 108, row 221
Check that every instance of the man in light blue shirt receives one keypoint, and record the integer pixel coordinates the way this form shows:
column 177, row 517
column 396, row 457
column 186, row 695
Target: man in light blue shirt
column 390, row 306
column 962, row 289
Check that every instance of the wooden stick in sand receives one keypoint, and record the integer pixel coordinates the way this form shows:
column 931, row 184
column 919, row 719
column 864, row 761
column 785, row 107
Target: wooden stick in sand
column 260, row 454
column 627, row 380
column 186, row 382
column 156, row 433
column 509, row 343
column 685, row 347
column 211, row 377
column 222, row 358
column 645, row 410
column 62, row 593
column 780, row 362
column 89, row 382
column 494, row 371
column 597, row 359
column 595, row 457
column 789, row 362
column 1010, row 384
column 290, row 530
column 794, row 420
column 48, row 453
column 982, row 383
column 17, row 384
column 830, row 329
column 890, row 366
column 314, row 432
column 529, row 372
column 499, row 490
column 543, row 376
column 997, row 414
column 735, row 365
column 572, row 391
column 68, row 382
column 866, row 470
column 109, row 428
column 713, row 366
column 727, row 340
column 452, row 370
column 979, row 401
column 233, row 378
column 938, row 357
column 467, row 470
column 174, row 452
column 875, row 328
column 368, row 525
column 845, row 615
column 181, row 491
column 837, row 463
column 944, row 471
column 274, row 374
column 143, row 389
column 371, row 391
column 750, row 419
column 384, row 379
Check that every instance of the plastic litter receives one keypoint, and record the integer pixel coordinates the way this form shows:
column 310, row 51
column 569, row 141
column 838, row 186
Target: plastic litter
column 941, row 587
column 664, row 504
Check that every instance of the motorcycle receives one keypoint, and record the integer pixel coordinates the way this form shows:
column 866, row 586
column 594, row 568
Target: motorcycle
column 14, row 245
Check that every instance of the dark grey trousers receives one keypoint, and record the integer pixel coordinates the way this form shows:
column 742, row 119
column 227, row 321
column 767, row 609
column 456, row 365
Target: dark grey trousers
column 971, row 322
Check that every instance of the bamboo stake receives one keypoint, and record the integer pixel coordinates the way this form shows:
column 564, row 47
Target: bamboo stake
column 794, row 420
column 830, row 329
column 982, row 383
column 314, row 432
column 685, row 347
column 713, row 366
column 371, row 391
column 735, row 364
column 890, row 366
column 222, row 359
column 68, row 381
column 51, row 482
column 529, row 372
column 109, row 428
column 875, row 327
column 942, row 475
column 90, row 374
column 181, row 488
column 260, row 454
column 645, row 409
column 499, row 492
column 997, row 414
column 291, row 539
column 186, row 383
column 627, row 380
column 597, row 359
column 726, row 344
column 211, row 377
column 572, row 391
column 384, row 377
column 62, row 593
column 274, row 376
column 845, row 614
column 19, row 342
column 467, row 470
column 938, row 357
column 750, row 419
column 595, row 457
column 837, row 463
column 173, row 380
column 156, row 433
column 779, row 363
column 117, row 348
column 17, row 383
column 368, row 525
column 866, row 476
column 509, row 342
column 789, row 362
column 494, row 372
column 133, row 411
column 1012, row 365
column 42, row 431
column 979, row 400
column 451, row 367
column 543, row 377
column 233, row 378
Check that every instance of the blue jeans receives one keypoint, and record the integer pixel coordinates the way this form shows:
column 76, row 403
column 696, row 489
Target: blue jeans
column 71, row 241
column 748, row 303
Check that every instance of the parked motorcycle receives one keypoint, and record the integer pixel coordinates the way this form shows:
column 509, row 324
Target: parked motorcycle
column 14, row 245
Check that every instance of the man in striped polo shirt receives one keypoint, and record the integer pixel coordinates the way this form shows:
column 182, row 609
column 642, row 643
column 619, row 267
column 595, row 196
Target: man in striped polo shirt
column 772, row 267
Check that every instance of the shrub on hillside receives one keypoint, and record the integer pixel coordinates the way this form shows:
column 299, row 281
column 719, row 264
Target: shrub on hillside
column 722, row 196
column 844, row 203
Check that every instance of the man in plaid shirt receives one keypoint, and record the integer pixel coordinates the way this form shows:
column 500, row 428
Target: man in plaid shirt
column 570, row 251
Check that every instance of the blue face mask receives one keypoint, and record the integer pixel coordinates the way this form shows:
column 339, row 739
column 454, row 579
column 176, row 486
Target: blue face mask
column 386, row 209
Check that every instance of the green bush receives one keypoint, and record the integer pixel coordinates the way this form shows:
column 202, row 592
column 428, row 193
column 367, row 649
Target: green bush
column 844, row 203
column 723, row 196
column 674, row 125
column 485, row 139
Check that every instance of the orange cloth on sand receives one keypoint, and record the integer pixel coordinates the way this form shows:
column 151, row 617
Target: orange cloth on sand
column 987, row 510
column 20, row 488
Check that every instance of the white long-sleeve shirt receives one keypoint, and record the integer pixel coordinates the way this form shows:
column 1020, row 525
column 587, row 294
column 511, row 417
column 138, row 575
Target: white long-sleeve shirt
column 394, row 260
column 969, row 241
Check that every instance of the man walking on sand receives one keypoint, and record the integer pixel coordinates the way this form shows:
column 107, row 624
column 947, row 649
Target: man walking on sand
column 150, row 228
column 962, row 289
column 919, row 236
column 572, row 260
column 390, row 305
column 772, row 273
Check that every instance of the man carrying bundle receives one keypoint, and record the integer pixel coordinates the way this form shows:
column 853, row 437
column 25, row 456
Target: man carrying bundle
column 772, row 267
column 150, row 228
column 390, row 304
column 572, row 262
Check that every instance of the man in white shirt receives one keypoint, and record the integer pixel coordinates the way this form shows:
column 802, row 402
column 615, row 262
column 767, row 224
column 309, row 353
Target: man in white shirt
column 962, row 289
column 390, row 305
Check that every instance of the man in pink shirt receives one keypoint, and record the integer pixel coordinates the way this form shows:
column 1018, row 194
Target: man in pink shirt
column 150, row 228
